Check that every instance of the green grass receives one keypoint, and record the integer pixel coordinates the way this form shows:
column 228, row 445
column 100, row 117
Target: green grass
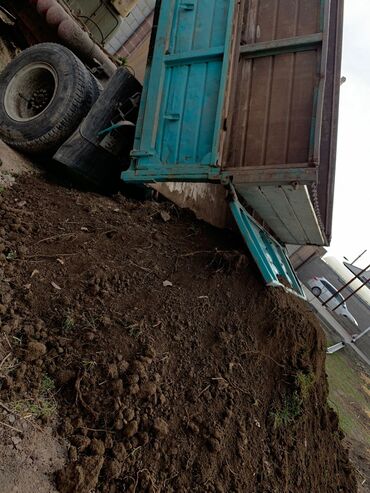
column 68, row 323
column 37, row 408
column 305, row 382
column 47, row 385
column 12, row 255
column 42, row 406
column 348, row 397
column 89, row 365
column 289, row 412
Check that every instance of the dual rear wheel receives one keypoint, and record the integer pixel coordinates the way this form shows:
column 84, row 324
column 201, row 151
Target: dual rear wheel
column 45, row 92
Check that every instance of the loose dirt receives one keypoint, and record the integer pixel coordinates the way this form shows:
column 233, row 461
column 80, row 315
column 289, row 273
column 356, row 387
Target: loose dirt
column 149, row 341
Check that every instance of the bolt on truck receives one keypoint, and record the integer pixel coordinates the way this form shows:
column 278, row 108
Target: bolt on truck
column 243, row 94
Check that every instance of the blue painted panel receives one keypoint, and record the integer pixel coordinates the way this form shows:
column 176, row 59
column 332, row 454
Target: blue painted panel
column 181, row 108
column 270, row 256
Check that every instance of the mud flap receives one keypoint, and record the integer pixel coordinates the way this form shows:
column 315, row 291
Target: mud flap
column 270, row 256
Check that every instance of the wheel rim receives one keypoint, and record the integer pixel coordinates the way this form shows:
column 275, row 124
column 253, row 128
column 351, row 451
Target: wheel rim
column 30, row 92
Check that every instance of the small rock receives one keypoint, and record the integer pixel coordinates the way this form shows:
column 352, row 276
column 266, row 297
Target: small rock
column 113, row 371
column 80, row 441
column 143, row 438
column 72, row 454
column 146, row 360
column 219, row 488
column 160, row 426
column 64, row 376
column 97, row 447
column 16, row 440
column 35, row 350
column 132, row 379
column 217, row 434
column 83, row 475
column 214, row 445
column 167, row 284
column 131, row 429
column 117, row 386
column 119, row 451
column 6, row 328
column 165, row 216
column 114, row 468
column 150, row 351
column 134, row 389
column 138, row 367
column 193, row 427
column 129, row 414
column 123, row 366
column 118, row 424
column 147, row 390
column 108, row 441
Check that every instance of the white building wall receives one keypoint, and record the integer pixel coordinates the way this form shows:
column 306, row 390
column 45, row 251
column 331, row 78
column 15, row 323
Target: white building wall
column 129, row 25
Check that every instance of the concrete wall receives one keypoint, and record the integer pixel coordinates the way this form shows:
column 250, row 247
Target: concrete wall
column 301, row 254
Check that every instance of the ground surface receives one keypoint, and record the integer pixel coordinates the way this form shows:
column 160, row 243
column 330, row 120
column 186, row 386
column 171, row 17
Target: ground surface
column 349, row 384
column 148, row 342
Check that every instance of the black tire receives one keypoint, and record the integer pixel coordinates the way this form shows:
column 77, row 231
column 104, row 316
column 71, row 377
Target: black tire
column 54, row 73
column 97, row 88
column 316, row 291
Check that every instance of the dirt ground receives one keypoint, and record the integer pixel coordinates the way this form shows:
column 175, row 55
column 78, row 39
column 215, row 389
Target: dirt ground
column 147, row 343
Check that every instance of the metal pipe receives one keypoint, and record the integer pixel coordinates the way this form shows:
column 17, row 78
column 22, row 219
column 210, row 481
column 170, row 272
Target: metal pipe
column 352, row 294
column 346, row 285
column 356, row 338
column 6, row 12
column 357, row 258
column 72, row 35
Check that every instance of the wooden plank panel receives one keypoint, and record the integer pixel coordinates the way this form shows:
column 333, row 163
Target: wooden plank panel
column 249, row 29
column 279, row 115
column 300, row 201
column 279, row 19
column 302, row 106
column 274, row 175
column 309, row 17
column 238, row 116
column 284, row 210
column 287, row 210
column 267, row 20
column 258, row 115
column 287, row 19
column 259, row 202
column 269, row 122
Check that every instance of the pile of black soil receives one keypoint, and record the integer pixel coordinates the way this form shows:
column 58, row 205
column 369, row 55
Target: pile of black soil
column 151, row 340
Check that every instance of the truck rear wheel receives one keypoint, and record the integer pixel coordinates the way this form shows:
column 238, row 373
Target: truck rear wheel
column 44, row 94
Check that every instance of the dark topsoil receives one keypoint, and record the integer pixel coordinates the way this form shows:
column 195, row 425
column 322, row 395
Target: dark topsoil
column 212, row 384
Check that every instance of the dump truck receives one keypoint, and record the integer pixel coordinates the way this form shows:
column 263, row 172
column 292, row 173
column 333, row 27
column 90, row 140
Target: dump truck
column 241, row 96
